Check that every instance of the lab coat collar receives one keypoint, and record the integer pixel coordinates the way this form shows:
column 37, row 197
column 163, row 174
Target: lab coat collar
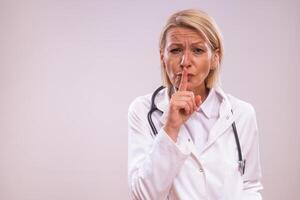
column 208, row 106
column 226, row 106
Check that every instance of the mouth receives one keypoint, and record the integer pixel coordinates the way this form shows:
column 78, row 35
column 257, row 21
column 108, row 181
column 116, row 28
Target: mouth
column 179, row 75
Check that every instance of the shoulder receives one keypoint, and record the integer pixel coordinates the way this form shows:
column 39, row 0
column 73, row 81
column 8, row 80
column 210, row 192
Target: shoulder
column 240, row 106
column 244, row 112
column 237, row 105
column 140, row 104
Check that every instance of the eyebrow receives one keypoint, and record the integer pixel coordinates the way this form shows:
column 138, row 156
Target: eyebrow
column 178, row 43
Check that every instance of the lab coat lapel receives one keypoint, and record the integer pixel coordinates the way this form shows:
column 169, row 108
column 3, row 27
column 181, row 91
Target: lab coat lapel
column 162, row 102
column 223, row 123
column 219, row 129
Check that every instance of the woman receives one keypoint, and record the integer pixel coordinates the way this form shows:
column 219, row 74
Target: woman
column 201, row 143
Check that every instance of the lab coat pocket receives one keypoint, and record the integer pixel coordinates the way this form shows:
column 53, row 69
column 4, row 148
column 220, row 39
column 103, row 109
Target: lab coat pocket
column 223, row 178
column 233, row 182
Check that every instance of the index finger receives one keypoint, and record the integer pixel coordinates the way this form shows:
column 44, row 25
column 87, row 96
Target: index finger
column 183, row 81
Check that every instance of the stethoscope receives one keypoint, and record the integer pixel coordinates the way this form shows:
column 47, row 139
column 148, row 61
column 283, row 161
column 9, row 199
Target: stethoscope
column 241, row 162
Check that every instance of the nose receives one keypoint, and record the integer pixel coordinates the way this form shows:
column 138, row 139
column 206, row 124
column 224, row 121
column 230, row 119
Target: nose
column 185, row 60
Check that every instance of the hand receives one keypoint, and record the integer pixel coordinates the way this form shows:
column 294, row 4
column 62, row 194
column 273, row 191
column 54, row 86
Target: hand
column 183, row 104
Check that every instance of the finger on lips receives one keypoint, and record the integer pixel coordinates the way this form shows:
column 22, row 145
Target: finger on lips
column 183, row 81
column 192, row 101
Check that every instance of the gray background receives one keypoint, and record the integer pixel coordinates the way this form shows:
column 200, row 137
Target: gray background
column 69, row 70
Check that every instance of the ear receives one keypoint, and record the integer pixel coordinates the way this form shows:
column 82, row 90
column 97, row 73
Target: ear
column 215, row 59
column 161, row 54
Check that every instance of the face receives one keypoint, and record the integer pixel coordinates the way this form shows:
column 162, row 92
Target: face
column 185, row 48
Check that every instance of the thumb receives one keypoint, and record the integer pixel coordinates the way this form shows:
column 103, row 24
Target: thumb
column 198, row 100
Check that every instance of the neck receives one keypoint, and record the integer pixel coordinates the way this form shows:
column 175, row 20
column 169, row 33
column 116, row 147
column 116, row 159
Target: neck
column 202, row 90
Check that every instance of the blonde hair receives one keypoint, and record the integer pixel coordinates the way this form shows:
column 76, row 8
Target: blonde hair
column 208, row 29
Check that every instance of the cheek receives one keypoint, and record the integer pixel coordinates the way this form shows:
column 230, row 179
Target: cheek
column 171, row 73
column 171, row 68
column 203, row 69
column 174, row 79
column 204, row 66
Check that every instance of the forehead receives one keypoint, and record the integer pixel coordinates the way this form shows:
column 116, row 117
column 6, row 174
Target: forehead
column 183, row 34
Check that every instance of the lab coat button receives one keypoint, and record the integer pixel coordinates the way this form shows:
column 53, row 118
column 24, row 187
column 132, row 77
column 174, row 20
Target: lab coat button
column 201, row 170
column 227, row 117
column 189, row 140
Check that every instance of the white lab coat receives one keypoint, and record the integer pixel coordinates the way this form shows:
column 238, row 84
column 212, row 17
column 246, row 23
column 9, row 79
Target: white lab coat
column 159, row 168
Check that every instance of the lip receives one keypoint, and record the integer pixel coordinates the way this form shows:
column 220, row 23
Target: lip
column 189, row 77
column 180, row 74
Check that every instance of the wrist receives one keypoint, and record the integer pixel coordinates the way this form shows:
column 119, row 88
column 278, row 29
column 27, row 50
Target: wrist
column 171, row 131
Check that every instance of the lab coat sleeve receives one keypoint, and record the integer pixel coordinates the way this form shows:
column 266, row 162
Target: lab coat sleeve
column 153, row 163
column 251, row 179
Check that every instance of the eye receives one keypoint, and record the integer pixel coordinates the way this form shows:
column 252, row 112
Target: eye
column 198, row 50
column 176, row 50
